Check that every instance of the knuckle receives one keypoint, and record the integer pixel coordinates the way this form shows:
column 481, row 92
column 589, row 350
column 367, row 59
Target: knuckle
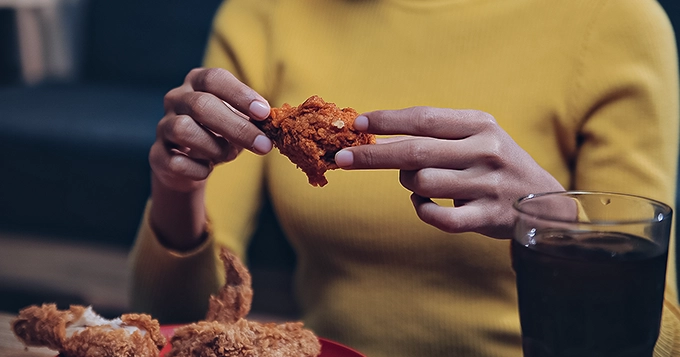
column 494, row 153
column 182, row 126
column 425, row 183
column 452, row 226
column 207, row 77
column 241, row 130
column 229, row 154
column 415, row 154
column 198, row 102
column 242, row 93
column 225, row 152
column 170, row 98
column 178, row 165
column 363, row 158
column 194, row 73
column 223, row 156
column 425, row 118
column 487, row 121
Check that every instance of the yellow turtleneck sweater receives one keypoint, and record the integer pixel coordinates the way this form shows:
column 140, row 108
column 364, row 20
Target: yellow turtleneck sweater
column 588, row 87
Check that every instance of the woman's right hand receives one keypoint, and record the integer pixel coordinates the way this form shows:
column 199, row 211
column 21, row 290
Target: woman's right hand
column 200, row 130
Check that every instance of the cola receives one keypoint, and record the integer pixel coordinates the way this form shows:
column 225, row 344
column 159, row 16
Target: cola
column 585, row 294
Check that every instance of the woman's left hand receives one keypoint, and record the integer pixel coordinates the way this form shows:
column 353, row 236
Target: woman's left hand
column 463, row 155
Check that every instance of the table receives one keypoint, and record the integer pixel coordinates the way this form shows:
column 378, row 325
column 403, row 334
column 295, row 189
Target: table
column 11, row 347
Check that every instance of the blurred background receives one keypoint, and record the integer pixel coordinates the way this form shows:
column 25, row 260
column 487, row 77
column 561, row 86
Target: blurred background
column 81, row 91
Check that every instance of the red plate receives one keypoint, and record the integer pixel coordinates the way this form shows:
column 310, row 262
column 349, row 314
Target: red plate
column 328, row 347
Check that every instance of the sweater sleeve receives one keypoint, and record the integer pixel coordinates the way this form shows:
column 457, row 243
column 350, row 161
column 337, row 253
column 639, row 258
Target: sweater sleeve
column 175, row 286
column 625, row 104
column 171, row 286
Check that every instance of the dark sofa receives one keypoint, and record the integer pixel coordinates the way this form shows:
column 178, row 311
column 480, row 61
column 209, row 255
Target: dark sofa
column 75, row 154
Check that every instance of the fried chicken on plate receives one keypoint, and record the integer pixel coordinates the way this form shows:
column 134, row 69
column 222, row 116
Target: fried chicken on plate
column 234, row 298
column 80, row 332
column 244, row 338
column 311, row 133
column 226, row 332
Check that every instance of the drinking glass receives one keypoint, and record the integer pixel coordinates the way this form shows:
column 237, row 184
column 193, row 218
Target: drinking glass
column 590, row 270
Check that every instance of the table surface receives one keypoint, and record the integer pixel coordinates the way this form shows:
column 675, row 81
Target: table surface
column 11, row 347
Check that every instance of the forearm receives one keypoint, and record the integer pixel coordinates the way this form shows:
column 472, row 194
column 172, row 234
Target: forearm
column 177, row 218
column 173, row 287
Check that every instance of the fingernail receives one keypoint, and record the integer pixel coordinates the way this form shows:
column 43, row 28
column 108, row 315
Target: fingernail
column 344, row 158
column 361, row 123
column 262, row 144
column 259, row 109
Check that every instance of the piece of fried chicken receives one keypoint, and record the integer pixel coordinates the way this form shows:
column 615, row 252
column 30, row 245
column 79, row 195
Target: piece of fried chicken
column 226, row 333
column 234, row 298
column 80, row 332
column 244, row 338
column 312, row 133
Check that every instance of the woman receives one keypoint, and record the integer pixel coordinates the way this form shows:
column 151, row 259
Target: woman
column 576, row 94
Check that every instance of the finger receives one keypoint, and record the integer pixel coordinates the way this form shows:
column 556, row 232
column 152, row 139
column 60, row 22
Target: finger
column 210, row 111
column 174, row 163
column 440, row 123
column 393, row 139
column 227, row 87
column 411, row 154
column 230, row 153
column 458, row 185
column 193, row 169
column 449, row 219
column 182, row 130
column 172, row 97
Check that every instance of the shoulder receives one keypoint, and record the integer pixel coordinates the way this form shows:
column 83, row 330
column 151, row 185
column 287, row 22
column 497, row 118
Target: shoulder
column 612, row 17
column 633, row 31
column 243, row 11
column 649, row 10
column 632, row 18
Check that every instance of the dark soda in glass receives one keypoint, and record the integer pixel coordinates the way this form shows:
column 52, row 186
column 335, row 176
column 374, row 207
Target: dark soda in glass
column 589, row 294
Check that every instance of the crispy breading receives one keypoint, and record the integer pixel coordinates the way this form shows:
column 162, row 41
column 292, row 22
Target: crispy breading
column 312, row 133
column 79, row 332
column 234, row 298
column 228, row 334
column 244, row 338
column 45, row 325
